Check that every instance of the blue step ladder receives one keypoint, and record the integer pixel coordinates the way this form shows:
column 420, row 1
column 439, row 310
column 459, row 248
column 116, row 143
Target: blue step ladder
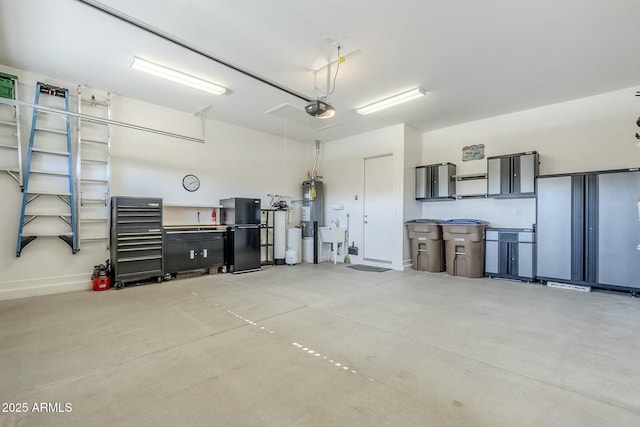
column 48, row 186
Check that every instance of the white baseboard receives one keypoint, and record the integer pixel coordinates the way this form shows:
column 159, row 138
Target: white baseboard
column 44, row 286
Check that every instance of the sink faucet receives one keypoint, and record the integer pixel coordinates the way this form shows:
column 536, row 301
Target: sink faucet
column 336, row 221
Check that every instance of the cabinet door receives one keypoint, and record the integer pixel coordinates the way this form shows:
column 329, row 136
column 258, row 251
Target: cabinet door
column 445, row 182
column 509, row 253
column 422, row 183
column 211, row 251
column 491, row 259
column 526, row 254
column 181, row 255
column 554, row 228
column 525, row 260
column 494, row 176
column 528, row 167
column 619, row 229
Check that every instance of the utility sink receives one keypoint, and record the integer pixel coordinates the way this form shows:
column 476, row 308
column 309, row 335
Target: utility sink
column 334, row 235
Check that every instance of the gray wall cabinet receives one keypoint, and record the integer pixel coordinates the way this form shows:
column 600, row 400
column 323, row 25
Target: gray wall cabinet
column 512, row 175
column 435, row 182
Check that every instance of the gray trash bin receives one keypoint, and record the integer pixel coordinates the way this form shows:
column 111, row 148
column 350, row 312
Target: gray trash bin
column 426, row 245
column 464, row 246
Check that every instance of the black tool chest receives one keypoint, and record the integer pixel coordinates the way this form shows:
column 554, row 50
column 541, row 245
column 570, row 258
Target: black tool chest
column 136, row 239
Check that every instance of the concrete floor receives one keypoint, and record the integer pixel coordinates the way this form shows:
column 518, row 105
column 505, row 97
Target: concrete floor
column 322, row 345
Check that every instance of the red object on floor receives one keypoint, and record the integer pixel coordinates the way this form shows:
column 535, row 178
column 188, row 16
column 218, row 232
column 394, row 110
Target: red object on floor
column 101, row 283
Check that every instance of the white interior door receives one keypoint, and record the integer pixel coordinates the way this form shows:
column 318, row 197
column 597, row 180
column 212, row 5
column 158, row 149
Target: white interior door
column 378, row 209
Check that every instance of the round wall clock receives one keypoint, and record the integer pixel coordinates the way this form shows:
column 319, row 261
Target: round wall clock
column 190, row 182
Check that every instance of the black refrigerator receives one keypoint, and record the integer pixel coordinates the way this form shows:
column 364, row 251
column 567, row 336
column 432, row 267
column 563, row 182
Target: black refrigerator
column 588, row 229
column 242, row 216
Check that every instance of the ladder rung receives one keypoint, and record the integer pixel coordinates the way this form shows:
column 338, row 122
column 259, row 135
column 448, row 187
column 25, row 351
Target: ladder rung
column 10, row 170
column 52, row 234
column 8, row 124
column 93, row 141
column 50, row 173
column 9, row 147
column 56, row 131
column 93, row 219
column 47, row 151
column 56, row 214
column 48, row 193
column 94, row 238
column 93, row 180
column 95, row 161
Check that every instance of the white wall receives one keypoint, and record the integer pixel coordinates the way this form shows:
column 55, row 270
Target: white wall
column 412, row 207
column 342, row 167
column 594, row 133
column 233, row 161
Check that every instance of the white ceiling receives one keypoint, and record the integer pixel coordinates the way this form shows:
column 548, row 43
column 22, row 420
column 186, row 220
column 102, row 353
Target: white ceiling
column 476, row 59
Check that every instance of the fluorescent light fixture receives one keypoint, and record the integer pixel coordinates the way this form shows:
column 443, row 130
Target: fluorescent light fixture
column 392, row 100
column 176, row 76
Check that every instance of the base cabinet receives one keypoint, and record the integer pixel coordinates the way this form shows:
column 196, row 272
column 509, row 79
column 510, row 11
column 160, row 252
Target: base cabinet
column 193, row 250
column 509, row 253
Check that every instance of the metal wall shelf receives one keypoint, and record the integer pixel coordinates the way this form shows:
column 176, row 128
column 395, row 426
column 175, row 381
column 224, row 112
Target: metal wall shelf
column 470, row 177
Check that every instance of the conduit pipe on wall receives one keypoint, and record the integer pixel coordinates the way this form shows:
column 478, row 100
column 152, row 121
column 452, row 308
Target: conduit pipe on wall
column 99, row 120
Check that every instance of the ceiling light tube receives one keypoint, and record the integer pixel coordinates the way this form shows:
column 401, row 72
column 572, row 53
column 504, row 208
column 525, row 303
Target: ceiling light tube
column 176, row 76
column 392, row 100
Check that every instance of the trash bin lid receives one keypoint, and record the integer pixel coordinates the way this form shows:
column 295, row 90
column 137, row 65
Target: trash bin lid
column 466, row 221
column 424, row 221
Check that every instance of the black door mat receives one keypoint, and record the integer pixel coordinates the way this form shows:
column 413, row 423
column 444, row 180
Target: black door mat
column 368, row 268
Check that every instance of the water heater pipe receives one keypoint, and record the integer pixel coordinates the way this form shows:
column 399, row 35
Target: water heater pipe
column 315, row 160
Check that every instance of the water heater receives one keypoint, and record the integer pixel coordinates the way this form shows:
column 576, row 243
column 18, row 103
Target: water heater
column 312, row 205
